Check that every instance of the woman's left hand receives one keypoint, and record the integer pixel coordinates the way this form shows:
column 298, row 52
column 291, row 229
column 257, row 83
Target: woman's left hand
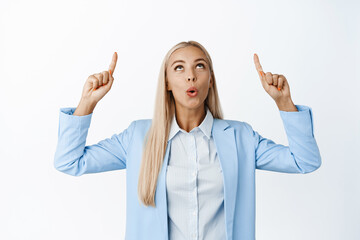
column 275, row 85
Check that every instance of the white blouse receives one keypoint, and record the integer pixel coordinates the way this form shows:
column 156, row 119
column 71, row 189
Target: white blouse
column 194, row 184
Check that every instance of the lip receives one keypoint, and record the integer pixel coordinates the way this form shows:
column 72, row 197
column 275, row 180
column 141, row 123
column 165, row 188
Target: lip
column 192, row 94
column 192, row 89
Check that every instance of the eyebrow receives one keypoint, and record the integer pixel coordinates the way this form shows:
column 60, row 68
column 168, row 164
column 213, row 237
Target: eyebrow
column 199, row 59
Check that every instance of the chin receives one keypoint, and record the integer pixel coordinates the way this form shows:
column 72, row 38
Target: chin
column 194, row 105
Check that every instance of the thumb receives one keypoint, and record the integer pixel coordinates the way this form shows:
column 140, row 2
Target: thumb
column 263, row 81
column 111, row 78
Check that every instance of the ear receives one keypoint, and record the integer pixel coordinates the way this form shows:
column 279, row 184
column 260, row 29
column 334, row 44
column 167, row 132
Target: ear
column 211, row 83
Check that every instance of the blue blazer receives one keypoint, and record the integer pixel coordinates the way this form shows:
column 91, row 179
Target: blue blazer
column 241, row 150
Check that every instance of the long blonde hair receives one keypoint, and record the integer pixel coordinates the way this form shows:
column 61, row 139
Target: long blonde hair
column 156, row 138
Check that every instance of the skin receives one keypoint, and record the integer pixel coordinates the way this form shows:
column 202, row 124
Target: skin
column 95, row 88
column 277, row 86
column 190, row 111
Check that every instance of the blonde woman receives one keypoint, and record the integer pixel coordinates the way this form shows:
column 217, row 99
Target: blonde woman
column 190, row 173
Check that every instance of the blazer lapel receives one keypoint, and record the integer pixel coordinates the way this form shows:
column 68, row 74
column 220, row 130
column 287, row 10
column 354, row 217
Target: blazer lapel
column 225, row 143
column 224, row 140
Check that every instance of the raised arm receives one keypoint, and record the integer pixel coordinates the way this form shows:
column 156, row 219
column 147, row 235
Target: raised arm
column 301, row 156
column 73, row 157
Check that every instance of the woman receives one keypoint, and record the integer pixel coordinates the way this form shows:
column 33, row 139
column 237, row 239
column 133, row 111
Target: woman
column 190, row 173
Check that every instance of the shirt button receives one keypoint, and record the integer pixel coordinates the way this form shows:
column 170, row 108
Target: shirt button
column 194, row 234
column 194, row 174
column 194, row 213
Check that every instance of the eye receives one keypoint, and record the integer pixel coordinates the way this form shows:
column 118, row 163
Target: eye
column 177, row 67
column 203, row 66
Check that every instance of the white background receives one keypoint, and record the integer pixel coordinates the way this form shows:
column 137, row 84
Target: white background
column 48, row 49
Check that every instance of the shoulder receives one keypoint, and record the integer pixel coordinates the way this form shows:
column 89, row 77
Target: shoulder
column 236, row 124
column 140, row 125
column 240, row 127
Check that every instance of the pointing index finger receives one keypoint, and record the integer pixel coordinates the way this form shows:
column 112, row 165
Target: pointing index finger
column 113, row 63
column 257, row 64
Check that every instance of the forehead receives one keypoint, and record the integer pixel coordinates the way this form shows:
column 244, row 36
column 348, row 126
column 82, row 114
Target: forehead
column 188, row 53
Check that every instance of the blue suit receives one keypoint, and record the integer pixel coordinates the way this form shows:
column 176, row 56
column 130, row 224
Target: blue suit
column 241, row 150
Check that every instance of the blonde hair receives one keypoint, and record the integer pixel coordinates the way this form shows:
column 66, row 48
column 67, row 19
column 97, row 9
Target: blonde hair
column 155, row 141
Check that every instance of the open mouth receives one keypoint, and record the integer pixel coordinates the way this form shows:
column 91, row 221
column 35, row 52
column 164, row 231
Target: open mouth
column 192, row 93
column 192, row 90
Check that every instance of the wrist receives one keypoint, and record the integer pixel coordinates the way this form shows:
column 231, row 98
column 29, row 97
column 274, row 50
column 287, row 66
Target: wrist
column 84, row 108
column 87, row 102
column 286, row 105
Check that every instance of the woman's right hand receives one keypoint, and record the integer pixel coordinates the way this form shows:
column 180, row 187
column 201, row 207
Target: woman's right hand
column 99, row 84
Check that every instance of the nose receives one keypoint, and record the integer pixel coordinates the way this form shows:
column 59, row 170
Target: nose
column 191, row 78
column 191, row 75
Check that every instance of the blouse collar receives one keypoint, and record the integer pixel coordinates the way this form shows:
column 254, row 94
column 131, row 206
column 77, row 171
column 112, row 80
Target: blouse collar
column 205, row 126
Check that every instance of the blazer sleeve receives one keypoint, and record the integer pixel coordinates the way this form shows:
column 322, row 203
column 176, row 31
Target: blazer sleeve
column 74, row 158
column 301, row 156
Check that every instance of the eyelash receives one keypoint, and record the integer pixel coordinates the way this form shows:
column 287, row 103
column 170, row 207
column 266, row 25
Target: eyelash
column 196, row 65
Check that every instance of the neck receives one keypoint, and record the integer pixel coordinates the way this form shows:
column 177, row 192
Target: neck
column 189, row 118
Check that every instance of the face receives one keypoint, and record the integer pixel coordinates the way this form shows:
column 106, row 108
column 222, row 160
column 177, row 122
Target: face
column 188, row 67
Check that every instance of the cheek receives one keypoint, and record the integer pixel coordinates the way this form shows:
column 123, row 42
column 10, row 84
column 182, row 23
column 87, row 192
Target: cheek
column 177, row 90
column 204, row 93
